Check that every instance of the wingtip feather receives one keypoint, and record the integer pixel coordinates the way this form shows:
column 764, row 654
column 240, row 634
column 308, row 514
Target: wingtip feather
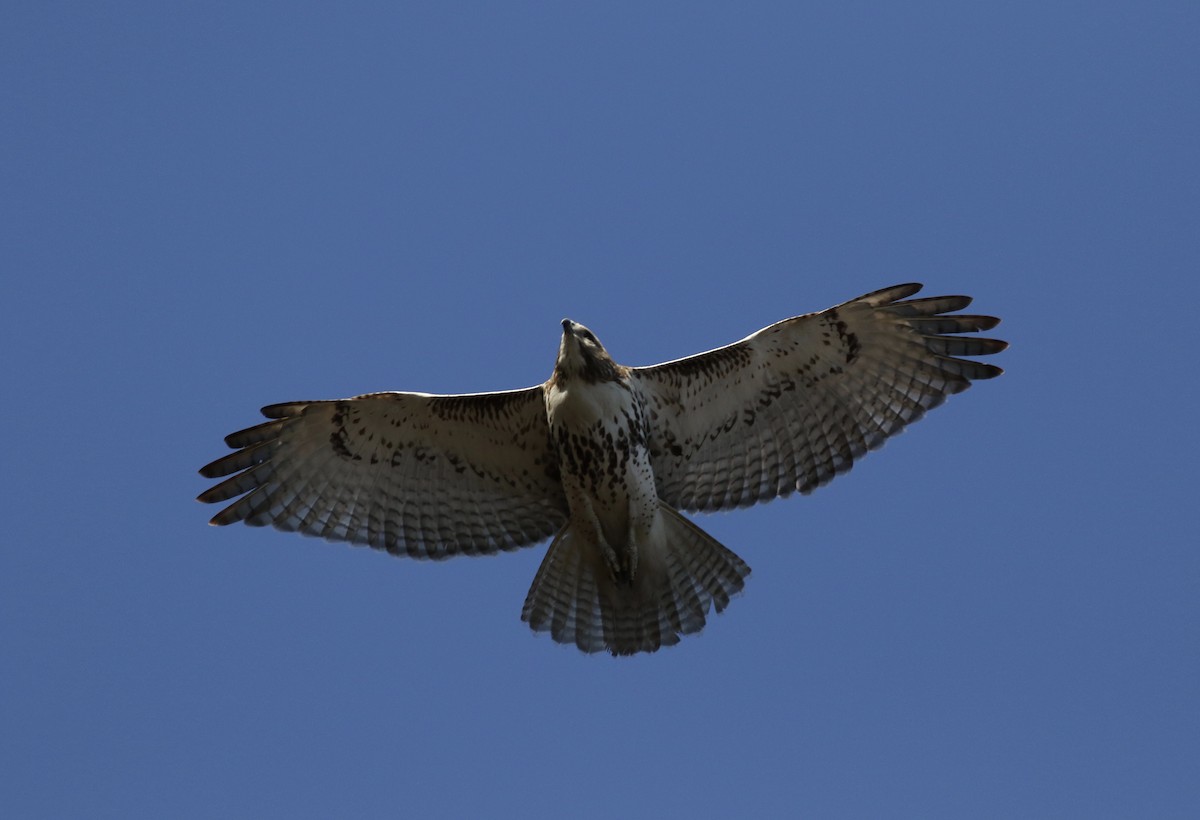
column 891, row 294
column 283, row 410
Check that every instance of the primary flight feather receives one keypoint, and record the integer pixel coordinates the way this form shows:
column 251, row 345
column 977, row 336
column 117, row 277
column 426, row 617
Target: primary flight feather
column 603, row 457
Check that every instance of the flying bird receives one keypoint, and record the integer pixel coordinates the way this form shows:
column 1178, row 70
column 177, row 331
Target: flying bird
column 604, row 458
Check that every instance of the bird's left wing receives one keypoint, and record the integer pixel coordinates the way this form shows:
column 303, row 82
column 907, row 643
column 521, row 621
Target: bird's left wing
column 796, row 403
column 416, row 474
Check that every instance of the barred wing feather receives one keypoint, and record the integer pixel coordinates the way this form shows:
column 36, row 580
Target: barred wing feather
column 795, row 404
column 410, row 473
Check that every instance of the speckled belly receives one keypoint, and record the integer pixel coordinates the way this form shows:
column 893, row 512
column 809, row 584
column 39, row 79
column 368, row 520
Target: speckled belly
column 599, row 432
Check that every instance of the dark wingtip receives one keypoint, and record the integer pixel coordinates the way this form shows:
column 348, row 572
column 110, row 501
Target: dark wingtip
column 280, row 410
column 889, row 295
column 210, row 470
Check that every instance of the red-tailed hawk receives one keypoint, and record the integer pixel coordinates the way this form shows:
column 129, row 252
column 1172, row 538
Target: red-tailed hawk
column 603, row 457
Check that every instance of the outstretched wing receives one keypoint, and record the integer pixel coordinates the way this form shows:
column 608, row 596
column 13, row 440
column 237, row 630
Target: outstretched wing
column 796, row 403
column 427, row 476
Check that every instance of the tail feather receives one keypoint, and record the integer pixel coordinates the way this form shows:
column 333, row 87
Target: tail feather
column 682, row 574
column 567, row 603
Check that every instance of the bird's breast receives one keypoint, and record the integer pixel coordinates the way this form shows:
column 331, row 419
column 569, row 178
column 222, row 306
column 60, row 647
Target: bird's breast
column 599, row 434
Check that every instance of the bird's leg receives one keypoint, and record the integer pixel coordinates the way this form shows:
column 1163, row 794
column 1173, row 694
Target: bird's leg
column 631, row 562
column 622, row 563
column 629, row 555
column 584, row 512
column 618, row 566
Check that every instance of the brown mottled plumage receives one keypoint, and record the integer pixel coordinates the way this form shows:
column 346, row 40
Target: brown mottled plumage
column 602, row 456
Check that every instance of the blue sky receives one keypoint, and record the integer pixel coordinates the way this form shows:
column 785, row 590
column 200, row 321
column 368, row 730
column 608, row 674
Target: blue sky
column 206, row 208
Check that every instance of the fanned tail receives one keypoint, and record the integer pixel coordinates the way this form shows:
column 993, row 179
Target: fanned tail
column 679, row 576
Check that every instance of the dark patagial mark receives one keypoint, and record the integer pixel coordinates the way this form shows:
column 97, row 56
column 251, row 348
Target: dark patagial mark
column 848, row 339
column 340, row 437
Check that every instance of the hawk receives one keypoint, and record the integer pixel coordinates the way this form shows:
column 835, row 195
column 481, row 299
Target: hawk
column 604, row 457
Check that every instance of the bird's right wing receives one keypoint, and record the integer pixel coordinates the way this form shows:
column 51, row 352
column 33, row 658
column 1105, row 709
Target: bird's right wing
column 410, row 473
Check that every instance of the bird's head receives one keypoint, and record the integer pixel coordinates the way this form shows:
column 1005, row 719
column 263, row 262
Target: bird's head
column 581, row 355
